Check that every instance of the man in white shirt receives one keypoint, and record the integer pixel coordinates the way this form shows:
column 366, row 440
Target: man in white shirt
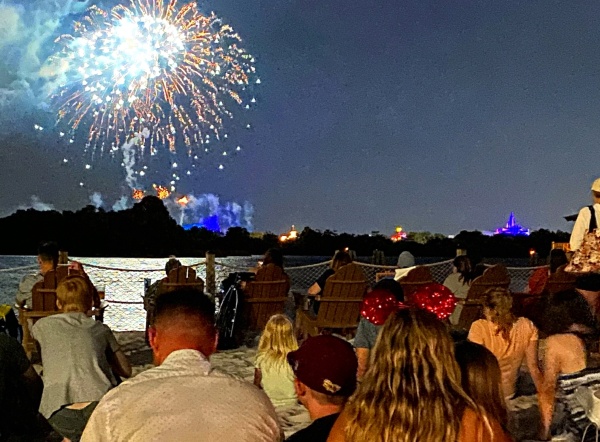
column 585, row 222
column 182, row 398
column 47, row 259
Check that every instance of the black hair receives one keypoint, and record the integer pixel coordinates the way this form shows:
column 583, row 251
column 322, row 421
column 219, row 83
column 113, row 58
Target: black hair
column 557, row 258
column 273, row 256
column 172, row 263
column 563, row 309
column 48, row 251
column 590, row 282
column 186, row 302
column 391, row 286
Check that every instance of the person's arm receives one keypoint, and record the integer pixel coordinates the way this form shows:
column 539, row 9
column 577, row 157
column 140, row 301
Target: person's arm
column 581, row 225
column 547, row 390
column 531, row 357
column 476, row 333
column 338, row 431
column 116, row 358
column 257, row 377
column 25, row 288
column 362, row 354
column 314, row 289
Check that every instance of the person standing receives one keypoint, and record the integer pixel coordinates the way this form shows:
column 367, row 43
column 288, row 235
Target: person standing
column 585, row 221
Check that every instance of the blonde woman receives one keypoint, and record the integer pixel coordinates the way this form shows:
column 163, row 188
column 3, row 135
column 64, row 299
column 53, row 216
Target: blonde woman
column 272, row 371
column 412, row 390
column 512, row 340
column 79, row 355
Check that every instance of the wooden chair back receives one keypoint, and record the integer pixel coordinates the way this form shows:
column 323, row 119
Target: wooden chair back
column 493, row 277
column 381, row 275
column 416, row 278
column 179, row 278
column 43, row 303
column 265, row 296
column 342, row 296
column 559, row 281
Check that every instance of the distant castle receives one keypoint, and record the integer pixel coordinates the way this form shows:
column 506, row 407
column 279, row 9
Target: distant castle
column 512, row 228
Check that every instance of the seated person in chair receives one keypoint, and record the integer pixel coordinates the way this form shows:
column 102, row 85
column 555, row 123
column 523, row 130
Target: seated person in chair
column 47, row 259
column 150, row 295
column 340, row 259
column 80, row 357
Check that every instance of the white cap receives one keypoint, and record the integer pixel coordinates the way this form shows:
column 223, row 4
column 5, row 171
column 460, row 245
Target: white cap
column 596, row 185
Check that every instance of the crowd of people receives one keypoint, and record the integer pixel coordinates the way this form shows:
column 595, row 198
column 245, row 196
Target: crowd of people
column 408, row 378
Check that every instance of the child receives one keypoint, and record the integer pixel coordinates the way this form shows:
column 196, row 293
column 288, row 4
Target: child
column 272, row 372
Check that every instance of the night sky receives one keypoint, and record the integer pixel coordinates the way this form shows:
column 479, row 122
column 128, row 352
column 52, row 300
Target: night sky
column 438, row 116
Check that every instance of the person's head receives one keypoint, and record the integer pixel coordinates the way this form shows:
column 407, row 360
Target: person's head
column 557, row 258
column 183, row 319
column 596, row 191
column 277, row 340
column 273, row 256
column 411, row 390
column 481, row 378
column 406, row 259
column 325, row 371
column 589, row 282
column 172, row 263
column 341, row 258
column 560, row 312
column 497, row 307
column 464, row 268
column 73, row 295
column 47, row 256
column 392, row 286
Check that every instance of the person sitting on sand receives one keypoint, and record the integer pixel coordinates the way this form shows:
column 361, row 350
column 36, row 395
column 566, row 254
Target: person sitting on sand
column 340, row 259
column 412, row 390
column 563, row 361
column 79, row 355
column 459, row 282
column 366, row 333
column 47, row 259
column 512, row 340
column 272, row 372
column 325, row 377
column 481, row 379
column 182, row 398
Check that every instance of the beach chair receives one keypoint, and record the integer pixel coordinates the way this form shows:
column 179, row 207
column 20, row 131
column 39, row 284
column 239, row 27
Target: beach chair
column 415, row 279
column 178, row 278
column 559, row 281
column 340, row 303
column 43, row 303
column 494, row 276
column 264, row 297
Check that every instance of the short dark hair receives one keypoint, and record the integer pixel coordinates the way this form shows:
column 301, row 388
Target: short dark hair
column 48, row 251
column 273, row 256
column 392, row 286
column 172, row 263
column 186, row 302
column 563, row 309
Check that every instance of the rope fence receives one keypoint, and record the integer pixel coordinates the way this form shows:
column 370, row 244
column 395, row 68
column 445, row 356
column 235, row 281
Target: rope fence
column 124, row 285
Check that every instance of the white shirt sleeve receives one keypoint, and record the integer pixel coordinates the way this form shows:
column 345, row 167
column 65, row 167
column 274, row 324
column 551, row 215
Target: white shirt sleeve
column 98, row 427
column 579, row 229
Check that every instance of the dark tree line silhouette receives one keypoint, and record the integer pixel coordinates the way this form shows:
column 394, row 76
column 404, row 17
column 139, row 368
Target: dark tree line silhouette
column 147, row 230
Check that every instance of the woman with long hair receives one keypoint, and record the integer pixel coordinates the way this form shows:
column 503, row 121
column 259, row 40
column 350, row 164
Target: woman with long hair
column 459, row 282
column 481, row 379
column 272, row 372
column 412, row 390
column 512, row 340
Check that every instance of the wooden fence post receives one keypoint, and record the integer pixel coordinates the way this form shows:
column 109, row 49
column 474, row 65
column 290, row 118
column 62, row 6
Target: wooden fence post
column 211, row 280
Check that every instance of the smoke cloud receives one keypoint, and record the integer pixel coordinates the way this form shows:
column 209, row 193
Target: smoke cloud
column 37, row 204
column 96, row 200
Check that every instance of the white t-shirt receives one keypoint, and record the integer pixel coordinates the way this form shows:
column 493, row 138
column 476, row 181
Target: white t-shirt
column 582, row 224
column 277, row 381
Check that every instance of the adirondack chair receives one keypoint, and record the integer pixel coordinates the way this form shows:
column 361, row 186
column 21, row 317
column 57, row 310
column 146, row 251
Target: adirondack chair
column 264, row 297
column 559, row 281
column 416, row 278
column 494, row 276
column 43, row 303
column 340, row 302
column 178, row 278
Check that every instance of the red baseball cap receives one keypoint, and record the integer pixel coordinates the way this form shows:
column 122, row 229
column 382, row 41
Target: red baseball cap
column 326, row 364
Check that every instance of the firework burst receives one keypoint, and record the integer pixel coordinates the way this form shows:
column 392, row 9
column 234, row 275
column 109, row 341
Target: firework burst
column 152, row 65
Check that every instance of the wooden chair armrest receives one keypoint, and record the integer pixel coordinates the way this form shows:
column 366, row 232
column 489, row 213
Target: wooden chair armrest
column 253, row 300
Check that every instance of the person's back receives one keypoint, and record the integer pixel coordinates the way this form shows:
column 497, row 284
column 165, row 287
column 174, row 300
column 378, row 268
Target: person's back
column 510, row 352
column 184, row 400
